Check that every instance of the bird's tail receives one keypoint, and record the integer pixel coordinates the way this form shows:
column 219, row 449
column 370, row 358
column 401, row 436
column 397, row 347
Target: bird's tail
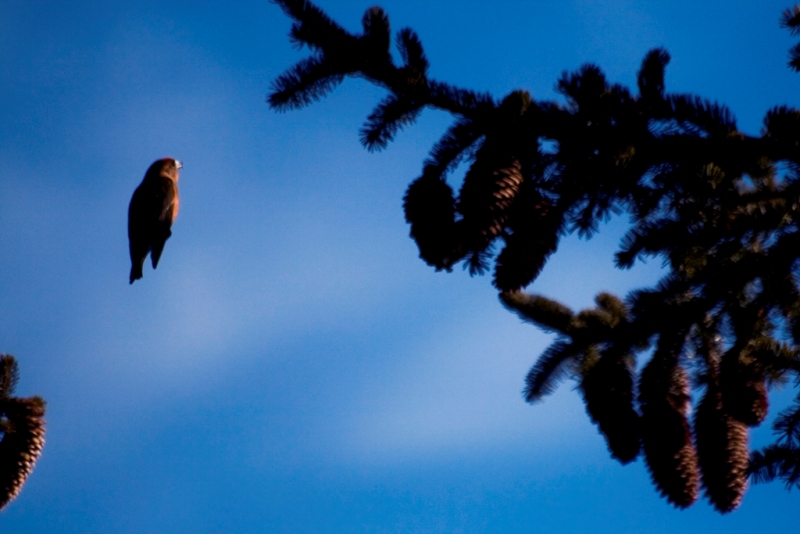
column 136, row 270
column 157, row 246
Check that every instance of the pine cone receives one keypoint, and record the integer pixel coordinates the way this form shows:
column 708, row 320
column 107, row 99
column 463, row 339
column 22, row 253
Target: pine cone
column 535, row 225
column 744, row 391
column 608, row 391
column 722, row 452
column 21, row 445
column 490, row 187
column 429, row 208
column 666, row 436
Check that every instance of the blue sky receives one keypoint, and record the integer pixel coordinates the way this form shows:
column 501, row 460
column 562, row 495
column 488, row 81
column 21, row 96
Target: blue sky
column 292, row 366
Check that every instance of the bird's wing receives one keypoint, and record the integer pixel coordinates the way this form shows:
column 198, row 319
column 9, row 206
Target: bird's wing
column 140, row 217
column 139, row 221
column 168, row 194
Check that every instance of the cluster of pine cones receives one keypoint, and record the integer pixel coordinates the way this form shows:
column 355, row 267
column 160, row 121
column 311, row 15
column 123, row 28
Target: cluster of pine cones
column 595, row 347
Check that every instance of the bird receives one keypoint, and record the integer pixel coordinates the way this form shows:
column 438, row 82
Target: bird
column 152, row 211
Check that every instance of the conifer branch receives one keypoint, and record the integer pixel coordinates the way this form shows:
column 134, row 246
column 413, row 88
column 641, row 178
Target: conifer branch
column 706, row 199
column 780, row 460
column 554, row 365
column 790, row 18
column 9, row 375
column 392, row 114
column 651, row 75
column 547, row 314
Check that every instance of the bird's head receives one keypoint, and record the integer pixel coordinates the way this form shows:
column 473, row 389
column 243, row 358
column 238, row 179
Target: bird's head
column 167, row 167
column 175, row 168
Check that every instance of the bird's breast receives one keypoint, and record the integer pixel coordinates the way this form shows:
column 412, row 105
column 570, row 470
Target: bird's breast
column 176, row 205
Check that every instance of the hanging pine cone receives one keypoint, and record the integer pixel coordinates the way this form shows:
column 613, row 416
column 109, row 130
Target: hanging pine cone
column 743, row 389
column 23, row 439
column 666, row 435
column 535, row 229
column 722, row 451
column 607, row 388
column 430, row 209
column 490, row 187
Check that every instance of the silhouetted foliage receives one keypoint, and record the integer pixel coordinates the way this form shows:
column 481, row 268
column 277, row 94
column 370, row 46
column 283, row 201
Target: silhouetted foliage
column 22, row 432
column 782, row 459
column 718, row 206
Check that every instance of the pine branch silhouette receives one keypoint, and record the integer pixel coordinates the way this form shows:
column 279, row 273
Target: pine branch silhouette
column 780, row 460
column 719, row 207
column 21, row 432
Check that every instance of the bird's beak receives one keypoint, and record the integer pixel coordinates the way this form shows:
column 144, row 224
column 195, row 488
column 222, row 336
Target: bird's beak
column 178, row 164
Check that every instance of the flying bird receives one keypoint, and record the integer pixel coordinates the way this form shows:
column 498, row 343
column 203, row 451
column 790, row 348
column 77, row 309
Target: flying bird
column 153, row 208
